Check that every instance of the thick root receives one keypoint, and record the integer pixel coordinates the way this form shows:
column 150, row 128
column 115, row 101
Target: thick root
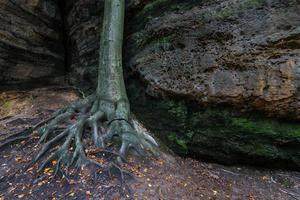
column 102, row 120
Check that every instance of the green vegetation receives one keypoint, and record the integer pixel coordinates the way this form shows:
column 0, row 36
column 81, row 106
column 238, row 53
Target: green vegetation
column 140, row 39
column 218, row 133
column 7, row 105
column 240, row 7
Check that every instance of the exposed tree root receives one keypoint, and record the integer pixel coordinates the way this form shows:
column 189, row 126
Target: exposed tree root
column 102, row 120
column 93, row 121
column 22, row 135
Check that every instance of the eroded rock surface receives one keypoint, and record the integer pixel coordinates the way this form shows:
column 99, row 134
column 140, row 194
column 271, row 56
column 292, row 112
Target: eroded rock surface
column 243, row 53
column 31, row 43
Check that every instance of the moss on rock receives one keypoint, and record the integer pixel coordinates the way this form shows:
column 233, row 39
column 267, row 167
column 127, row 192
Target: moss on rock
column 219, row 133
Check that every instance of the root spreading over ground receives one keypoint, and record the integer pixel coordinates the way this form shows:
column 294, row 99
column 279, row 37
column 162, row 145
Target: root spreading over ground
column 104, row 121
column 101, row 121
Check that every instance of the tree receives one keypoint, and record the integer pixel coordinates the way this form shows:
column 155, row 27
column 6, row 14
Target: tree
column 107, row 109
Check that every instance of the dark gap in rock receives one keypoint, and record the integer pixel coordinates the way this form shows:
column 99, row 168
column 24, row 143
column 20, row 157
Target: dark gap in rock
column 62, row 8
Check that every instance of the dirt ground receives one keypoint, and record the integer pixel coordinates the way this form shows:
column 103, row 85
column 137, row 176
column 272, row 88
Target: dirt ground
column 166, row 177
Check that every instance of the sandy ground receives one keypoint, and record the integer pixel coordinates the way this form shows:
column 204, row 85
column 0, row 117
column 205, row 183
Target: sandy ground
column 166, row 177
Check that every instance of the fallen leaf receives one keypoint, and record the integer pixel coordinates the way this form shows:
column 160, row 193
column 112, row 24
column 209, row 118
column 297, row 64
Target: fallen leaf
column 54, row 162
column 18, row 159
column 21, row 196
column 88, row 193
column 40, row 183
column 251, row 197
column 215, row 192
column 47, row 169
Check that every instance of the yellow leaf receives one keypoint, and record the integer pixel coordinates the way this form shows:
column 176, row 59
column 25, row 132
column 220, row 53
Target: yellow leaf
column 72, row 194
column 21, row 196
column 47, row 170
column 215, row 192
column 18, row 159
column 54, row 162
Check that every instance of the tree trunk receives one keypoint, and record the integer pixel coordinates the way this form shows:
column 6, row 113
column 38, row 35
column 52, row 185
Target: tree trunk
column 110, row 73
column 107, row 109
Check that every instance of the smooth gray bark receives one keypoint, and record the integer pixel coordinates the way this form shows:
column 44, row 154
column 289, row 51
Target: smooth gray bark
column 110, row 73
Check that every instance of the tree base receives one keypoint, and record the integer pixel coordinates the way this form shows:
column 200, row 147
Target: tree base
column 103, row 120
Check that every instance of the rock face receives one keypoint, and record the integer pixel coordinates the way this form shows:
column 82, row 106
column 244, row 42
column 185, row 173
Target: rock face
column 31, row 42
column 242, row 53
column 220, row 134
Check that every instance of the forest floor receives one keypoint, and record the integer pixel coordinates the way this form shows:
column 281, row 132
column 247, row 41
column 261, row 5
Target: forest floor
column 167, row 177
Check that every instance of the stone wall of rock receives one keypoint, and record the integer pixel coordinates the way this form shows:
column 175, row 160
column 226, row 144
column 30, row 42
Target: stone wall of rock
column 31, row 42
column 243, row 53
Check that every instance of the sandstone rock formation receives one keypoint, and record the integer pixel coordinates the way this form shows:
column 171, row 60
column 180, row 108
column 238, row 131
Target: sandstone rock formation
column 31, row 42
column 243, row 53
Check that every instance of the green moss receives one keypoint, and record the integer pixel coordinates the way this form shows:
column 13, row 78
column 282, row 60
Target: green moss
column 178, row 143
column 140, row 39
column 286, row 182
column 263, row 150
column 158, row 8
column 162, row 6
column 158, row 41
column 178, row 110
column 235, row 9
column 266, row 126
column 7, row 105
column 219, row 133
column 247, row 125
column 248, row 4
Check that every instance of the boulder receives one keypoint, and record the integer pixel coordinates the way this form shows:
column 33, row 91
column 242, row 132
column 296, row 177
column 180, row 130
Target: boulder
column 240, row 53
